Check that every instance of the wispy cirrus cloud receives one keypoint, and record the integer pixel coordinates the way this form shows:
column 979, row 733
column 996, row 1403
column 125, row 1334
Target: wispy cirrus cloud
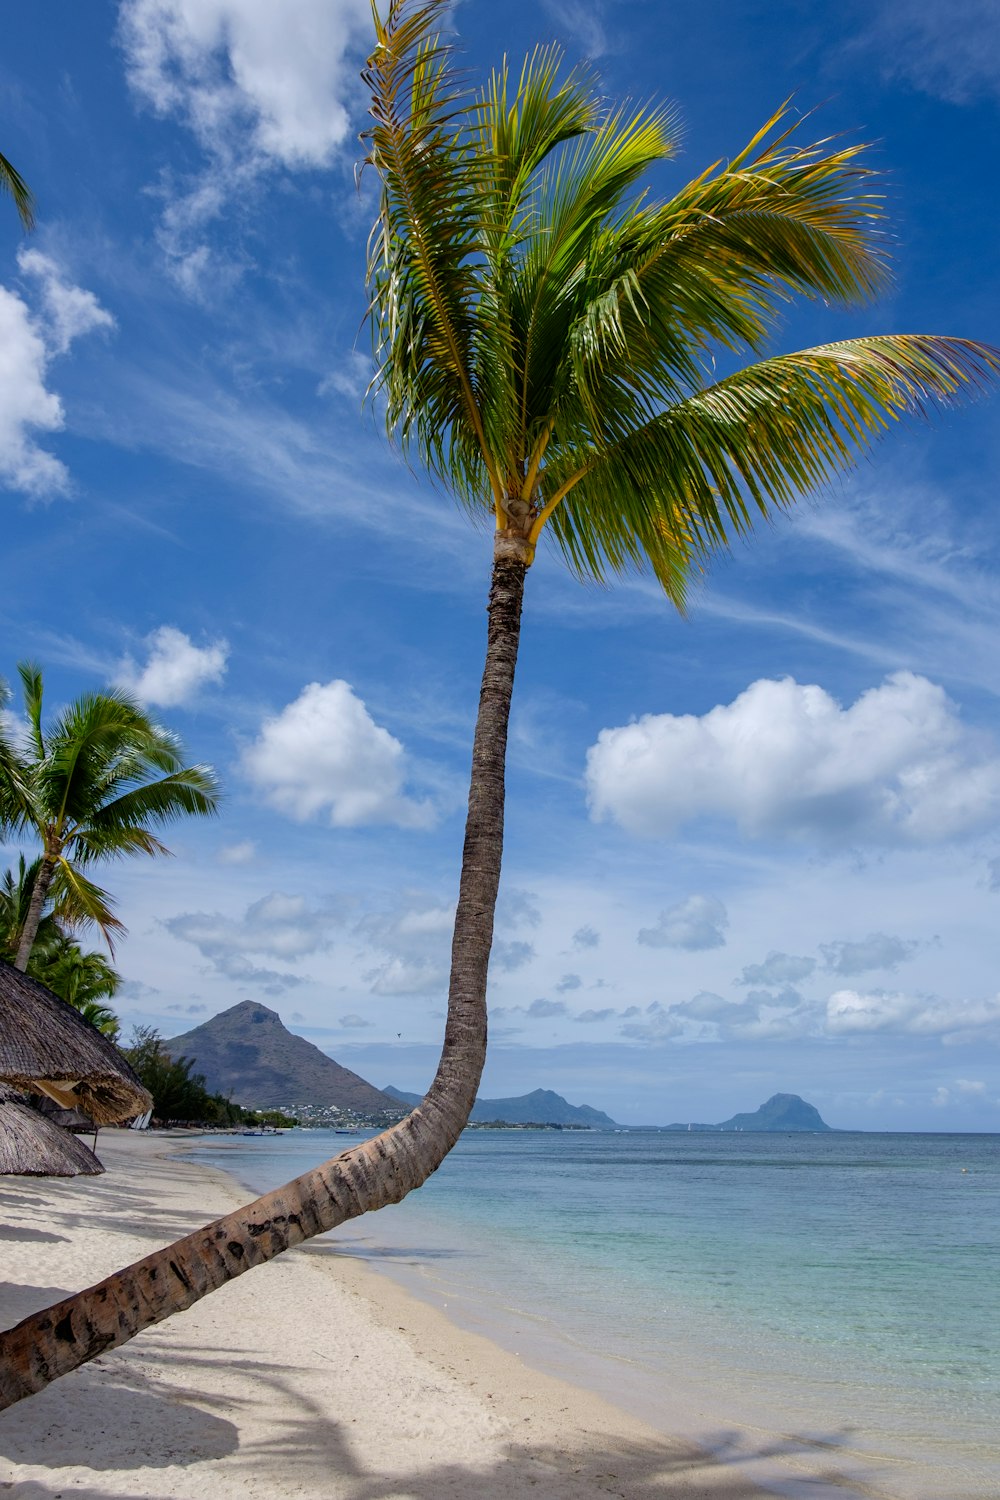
column 951, row 52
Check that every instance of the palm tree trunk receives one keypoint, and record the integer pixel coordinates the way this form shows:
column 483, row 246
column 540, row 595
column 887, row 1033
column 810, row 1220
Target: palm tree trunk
column 39, row 893
column 367, row 1177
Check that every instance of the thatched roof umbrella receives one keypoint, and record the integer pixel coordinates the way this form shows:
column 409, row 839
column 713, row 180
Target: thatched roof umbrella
column 32, row 1146
column 47, row 1046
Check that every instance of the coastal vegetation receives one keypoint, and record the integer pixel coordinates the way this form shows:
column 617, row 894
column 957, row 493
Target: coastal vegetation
column 179, row 1095
column 545, row 338
column 85, row 980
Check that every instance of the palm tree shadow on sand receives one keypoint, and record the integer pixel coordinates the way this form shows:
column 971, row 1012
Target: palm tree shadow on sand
column 174, row 1419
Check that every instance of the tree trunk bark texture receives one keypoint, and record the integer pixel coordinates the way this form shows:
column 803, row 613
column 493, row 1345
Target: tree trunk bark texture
column 39, row 892
column 366, row 1177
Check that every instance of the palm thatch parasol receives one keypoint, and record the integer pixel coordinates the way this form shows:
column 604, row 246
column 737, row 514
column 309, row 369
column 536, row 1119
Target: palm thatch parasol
column 46, row 1046
column 32, row 1146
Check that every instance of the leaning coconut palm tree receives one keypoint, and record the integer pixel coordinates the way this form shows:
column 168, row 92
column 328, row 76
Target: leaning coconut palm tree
column 90, row 787
column 543, row 336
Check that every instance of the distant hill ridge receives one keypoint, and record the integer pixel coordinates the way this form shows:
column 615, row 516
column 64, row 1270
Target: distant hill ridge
column 248, row 1054
column 782, row 1112
column 542, row 1107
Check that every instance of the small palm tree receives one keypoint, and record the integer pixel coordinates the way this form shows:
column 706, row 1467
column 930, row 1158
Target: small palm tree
column 15, row 902
column 545, row 337
column 90, row 787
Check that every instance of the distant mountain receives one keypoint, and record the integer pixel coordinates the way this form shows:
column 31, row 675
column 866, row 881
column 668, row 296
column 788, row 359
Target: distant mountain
column 542, row 1107
column 782, row 1112
column 248, row 1055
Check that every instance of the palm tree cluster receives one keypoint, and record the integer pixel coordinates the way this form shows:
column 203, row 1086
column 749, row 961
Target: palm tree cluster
column 546, row 337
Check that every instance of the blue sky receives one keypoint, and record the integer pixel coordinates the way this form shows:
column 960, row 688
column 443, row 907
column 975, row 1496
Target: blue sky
column 755, row 850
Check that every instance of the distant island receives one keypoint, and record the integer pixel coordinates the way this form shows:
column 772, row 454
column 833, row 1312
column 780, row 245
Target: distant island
column 782, row 1112
column 247, row 1054
column 541, row 1107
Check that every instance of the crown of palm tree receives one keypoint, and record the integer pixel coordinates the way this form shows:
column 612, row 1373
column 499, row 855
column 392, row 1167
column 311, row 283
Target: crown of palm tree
column 546, row 333
column 91, row 787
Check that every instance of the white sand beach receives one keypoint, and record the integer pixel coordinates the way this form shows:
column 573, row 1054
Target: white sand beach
column 312, row 1376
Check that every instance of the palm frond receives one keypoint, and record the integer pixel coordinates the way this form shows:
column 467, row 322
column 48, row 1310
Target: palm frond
column 13, row 183
column 753, row 443
column 424, row 285
column 192, row 790
column 81, row 903
column 14, row 774
column 31, row 685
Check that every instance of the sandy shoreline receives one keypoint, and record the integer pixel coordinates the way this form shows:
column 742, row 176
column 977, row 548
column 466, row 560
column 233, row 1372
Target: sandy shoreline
column 313, row 1376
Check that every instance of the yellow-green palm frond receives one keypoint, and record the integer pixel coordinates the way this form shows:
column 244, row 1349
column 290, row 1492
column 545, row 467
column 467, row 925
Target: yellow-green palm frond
column 421, row 269
column 13, row 183
column 79, row 903
column 546, row 333
column 714, row 265
column 747, row 446
column 512, row 135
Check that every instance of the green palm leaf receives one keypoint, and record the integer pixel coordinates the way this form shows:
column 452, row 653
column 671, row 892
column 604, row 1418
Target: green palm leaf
column 81, row 903
column 699, row 471
column 91, row 786
column 13, row 183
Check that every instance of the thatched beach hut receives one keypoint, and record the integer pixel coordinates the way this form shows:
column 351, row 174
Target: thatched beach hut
column 48, row 1048
column 32, row 1146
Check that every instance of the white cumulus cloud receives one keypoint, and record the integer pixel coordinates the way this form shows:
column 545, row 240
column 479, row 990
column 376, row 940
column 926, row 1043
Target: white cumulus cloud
column 259, row 85
column 324, row 753
column 69, row 311
column 243, row 852
column 28, row 342
column 412, row 941
column 175, row 668
column 278, row 74
column 897, row 767
column 277, row 926
column 697, row 923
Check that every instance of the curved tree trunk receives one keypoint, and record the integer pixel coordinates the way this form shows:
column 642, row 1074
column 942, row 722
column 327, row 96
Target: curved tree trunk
column 39, row 892
column 380, row 1171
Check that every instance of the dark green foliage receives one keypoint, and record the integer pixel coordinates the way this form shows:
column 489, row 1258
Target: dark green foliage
column 84, row 980
column 272, row 1117
column 179, row 1097
column 13, row 183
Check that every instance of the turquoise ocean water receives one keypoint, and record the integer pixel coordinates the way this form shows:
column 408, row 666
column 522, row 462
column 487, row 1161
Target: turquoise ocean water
column 830, row 1298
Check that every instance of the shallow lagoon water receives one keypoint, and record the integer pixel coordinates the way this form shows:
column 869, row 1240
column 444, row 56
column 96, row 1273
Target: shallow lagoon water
column 841, row 1290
